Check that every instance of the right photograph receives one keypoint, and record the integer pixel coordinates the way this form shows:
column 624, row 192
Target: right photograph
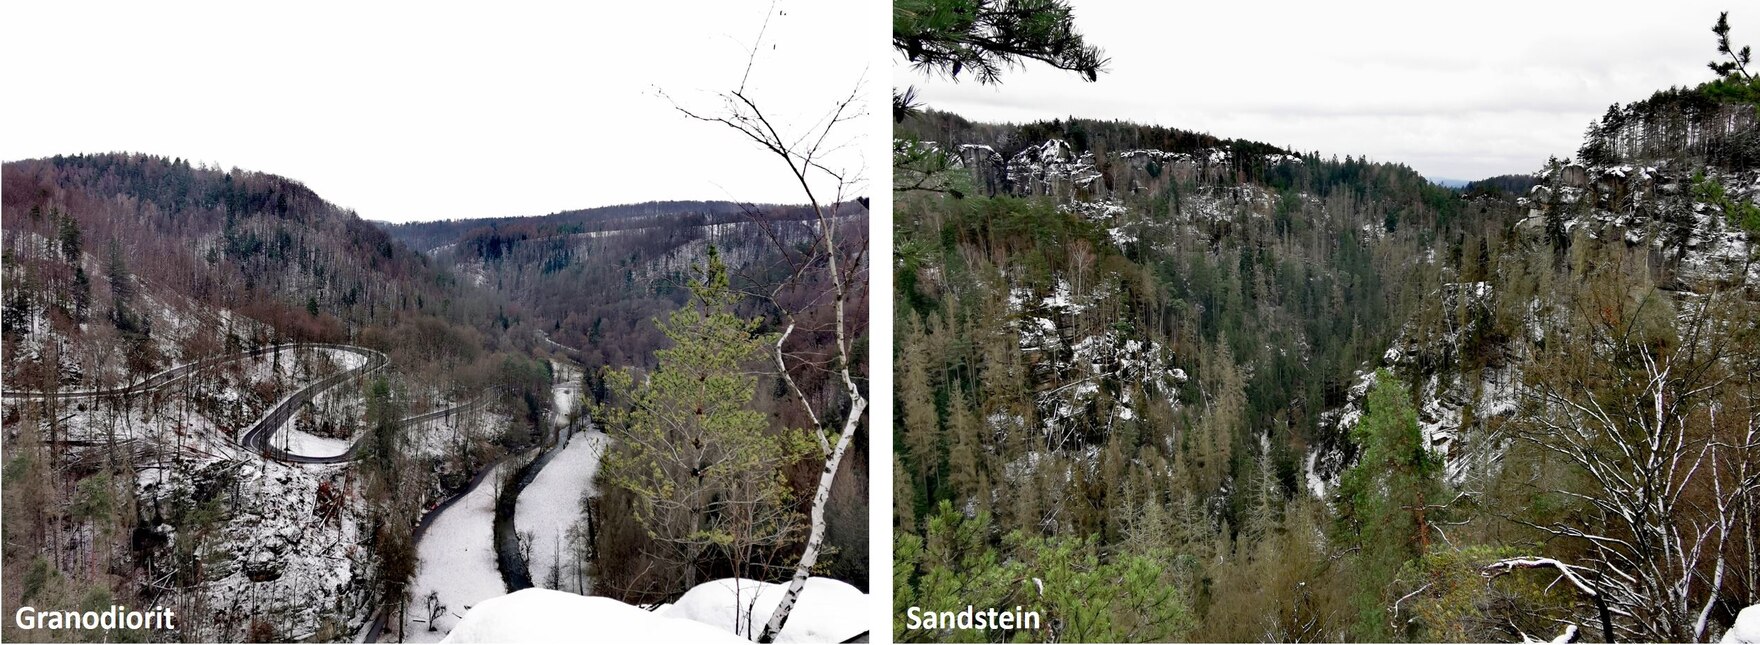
column 1330, row 323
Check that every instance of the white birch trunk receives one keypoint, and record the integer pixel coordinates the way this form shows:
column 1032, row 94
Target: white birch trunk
column 817, row 537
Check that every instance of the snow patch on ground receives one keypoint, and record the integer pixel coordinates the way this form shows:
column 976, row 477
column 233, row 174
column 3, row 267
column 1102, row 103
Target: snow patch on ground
column 307, row 444
column 1316, row 484
column 566, row 393
column 436, row 437
column 1747, row 627
column 828, row 611
column 546, row 616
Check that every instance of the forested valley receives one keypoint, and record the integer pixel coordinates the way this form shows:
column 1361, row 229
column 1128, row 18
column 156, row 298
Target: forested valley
column 229, row 397
column 602, row 279
column 1163, row 385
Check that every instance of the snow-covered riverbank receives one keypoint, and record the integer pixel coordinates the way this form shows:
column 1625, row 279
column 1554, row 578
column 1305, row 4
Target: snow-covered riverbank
column 551, row 505
column 457, row 554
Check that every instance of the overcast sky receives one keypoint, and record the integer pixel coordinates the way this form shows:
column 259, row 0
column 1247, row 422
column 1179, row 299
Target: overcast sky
column 417, row 111
column 1455, row 90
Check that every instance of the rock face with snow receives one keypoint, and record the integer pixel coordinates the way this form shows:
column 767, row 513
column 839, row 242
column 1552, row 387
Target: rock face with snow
column 1667, row 206
column 1096, row 374
column 1052, row 169
column 1455, row 409
column 1055, row 168
column 546, row 616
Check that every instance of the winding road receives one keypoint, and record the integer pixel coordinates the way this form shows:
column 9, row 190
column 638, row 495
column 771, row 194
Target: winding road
column 257, row 436
column 161, row 379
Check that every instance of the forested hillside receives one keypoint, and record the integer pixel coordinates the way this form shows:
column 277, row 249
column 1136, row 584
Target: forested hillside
column 428, row 236
column 597, row 278
column 1171, row 386
column 178, row 340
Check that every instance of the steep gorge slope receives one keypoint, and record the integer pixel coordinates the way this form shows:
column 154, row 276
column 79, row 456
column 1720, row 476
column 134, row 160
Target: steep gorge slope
column 1160, row 347
column 225, row 284
column 1122, row 274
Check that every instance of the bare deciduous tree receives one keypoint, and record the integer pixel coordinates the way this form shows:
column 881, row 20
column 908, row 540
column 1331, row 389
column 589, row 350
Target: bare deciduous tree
column 435, row 610
column 835, row 255
column 1665, row 436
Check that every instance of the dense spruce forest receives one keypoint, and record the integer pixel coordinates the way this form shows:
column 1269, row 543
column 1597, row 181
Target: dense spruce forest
column 1162, row 385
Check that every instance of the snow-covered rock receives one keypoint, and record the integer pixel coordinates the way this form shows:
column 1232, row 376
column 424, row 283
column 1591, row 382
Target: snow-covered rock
column 1747, row 627
column 829, row 611
column 546, row 616
column 1080, row 364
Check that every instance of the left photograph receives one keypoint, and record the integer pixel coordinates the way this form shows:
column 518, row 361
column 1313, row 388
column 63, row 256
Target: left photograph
column 400, row 324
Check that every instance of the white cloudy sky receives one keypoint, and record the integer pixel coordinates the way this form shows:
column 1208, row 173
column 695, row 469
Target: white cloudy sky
column 427, row 111
column 1455, row 90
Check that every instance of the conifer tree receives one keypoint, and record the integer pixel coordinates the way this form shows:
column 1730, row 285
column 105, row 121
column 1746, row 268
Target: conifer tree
column 985, row 37
column 922, row 433
column 705, row 468
column 68, row 234
column 1385, row 498
column 965, row 455
column 1737, row 65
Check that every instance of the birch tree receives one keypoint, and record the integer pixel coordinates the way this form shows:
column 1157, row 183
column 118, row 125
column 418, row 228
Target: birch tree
column 822, row 294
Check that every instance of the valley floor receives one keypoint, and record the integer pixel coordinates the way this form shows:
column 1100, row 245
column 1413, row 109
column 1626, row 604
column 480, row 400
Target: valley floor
column 551, row 505
column 457, row 555
column 457, row 549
